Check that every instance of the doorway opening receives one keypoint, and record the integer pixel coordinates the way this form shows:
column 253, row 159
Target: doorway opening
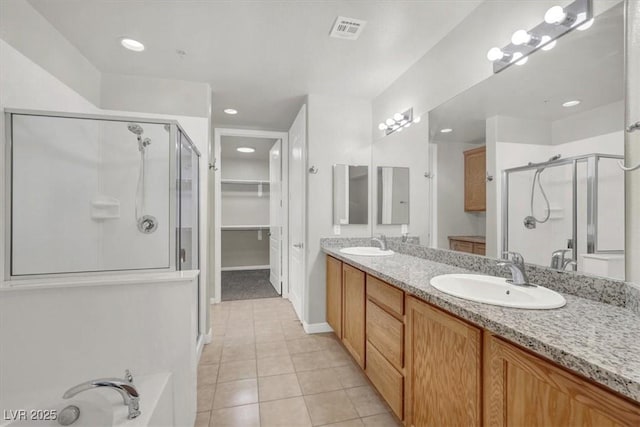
column 250, row 215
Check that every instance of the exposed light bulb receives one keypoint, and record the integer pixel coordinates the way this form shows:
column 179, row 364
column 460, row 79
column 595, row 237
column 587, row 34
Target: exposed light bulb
column 390, row 122
column 397, row 117
column 555, row 15
column 382, row 126
column 520, row 37
column 586, row 25
column 518, row 58
column 494, row 54
column 547, row 45
column 416, row 119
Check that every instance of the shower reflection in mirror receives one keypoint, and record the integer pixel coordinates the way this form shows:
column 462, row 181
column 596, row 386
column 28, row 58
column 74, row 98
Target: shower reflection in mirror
column 553, row 133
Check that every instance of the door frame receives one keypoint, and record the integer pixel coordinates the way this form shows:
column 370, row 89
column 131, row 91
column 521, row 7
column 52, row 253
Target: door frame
column 216, row 239
column 279, row 210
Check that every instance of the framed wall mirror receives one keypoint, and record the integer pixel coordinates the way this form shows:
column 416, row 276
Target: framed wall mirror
column 536, row 149
column 392, row 195
column 350, row 194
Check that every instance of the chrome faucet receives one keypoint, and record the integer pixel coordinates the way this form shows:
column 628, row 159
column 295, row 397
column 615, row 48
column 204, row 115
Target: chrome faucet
column 558, row 259
column 382, row 240
column 516, row 265
column 125, row 387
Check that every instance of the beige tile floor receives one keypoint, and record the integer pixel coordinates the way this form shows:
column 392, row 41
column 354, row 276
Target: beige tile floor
column 262, row 369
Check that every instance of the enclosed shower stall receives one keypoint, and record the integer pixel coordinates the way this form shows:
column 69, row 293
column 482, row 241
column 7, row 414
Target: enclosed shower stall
column 98, row 193
column 566, row 213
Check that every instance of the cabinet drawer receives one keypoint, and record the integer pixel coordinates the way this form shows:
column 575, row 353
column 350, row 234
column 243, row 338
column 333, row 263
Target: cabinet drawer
column 479, row 249
column 385, row 295
column 385, row 333
column 388, row 381
column 460, row 246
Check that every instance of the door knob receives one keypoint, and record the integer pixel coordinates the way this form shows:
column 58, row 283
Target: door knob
column 298, row 245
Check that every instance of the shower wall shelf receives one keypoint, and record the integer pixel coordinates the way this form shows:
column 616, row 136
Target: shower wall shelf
column 105, row 207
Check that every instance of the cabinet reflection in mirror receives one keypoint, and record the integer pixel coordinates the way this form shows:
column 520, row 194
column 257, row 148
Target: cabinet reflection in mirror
column 350, row 194
column 393, row 195
column 552, row 131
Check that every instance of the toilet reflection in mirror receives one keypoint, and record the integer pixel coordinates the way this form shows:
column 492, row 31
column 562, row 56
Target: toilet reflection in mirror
column 393, row 195
column 553, row 134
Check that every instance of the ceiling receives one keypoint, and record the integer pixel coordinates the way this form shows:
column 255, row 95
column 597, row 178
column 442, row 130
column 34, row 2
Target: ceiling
column 229, row 145
column 584, row 65
column 260, row 57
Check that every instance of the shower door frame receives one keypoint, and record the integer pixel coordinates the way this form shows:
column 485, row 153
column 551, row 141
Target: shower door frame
column 174, row 126
column 592, row 199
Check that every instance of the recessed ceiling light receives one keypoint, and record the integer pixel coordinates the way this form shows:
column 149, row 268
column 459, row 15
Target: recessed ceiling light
column 571, row 103
column 132, row 44
column 230, row 111
column 246, row 149
column 446, row 130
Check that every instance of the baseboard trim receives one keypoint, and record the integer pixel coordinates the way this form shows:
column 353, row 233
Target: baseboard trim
column 246, row 267
column 316, row 328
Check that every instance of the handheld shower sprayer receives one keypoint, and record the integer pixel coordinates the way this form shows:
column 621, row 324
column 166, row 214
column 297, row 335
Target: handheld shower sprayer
column 531, row 221
column 146, row 223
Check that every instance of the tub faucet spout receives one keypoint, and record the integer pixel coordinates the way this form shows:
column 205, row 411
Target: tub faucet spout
column 124, row 387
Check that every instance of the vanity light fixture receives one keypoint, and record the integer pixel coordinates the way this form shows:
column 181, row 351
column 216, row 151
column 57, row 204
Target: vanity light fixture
column 398, row 122
column 131, row 44
column 246, row 149
column 557, row 21
column 230, row 111
column 572, row 103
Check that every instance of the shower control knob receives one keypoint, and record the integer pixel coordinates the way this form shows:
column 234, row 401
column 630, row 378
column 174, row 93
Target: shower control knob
column 634, row 127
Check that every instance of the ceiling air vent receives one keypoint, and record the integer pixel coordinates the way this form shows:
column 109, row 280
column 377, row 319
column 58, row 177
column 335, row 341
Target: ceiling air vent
column 347, row 28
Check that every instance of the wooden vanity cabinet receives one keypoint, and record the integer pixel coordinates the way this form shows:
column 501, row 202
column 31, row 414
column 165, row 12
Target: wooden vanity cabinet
column 334, row 295
column 443, row 368
column 385, row 342
column 353, row 312
column 475, row 172
column 523, row 389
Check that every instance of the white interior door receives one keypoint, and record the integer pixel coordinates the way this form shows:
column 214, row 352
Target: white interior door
column 275, row 215
column 297, row 206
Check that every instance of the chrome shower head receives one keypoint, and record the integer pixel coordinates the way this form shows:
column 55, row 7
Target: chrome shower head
column 135, row 128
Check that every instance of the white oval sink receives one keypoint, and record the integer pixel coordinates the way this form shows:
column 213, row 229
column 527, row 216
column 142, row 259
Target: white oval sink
column 365, row 251
column 497, row 291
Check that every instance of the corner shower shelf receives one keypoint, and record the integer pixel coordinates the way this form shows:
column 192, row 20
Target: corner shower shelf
column 105, row 207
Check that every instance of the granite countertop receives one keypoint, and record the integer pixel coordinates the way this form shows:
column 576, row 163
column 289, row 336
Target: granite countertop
column 472, row 239
column 597, row 340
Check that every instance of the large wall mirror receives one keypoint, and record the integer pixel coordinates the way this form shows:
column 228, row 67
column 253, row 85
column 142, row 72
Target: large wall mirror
column 393, row 195
column 350, row 194
column 527, row 160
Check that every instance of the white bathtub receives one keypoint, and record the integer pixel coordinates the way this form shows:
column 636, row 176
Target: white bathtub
column 102, row 407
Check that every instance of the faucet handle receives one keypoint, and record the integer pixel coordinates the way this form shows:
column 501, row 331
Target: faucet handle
column 128, row 376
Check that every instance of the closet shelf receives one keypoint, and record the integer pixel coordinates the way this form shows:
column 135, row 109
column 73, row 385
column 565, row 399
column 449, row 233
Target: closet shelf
column 244, row 181
column 244, row 227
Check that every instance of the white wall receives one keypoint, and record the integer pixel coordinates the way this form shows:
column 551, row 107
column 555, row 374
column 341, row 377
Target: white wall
column 449, row 176
column 339, row 131
column 22, row 27
column 55, row 338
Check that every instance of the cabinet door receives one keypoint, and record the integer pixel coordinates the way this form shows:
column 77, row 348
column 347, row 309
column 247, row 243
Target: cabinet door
column 443, row 368
column 353, row 315
column 523, row 389
column 475, row 188
column 334, row 295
